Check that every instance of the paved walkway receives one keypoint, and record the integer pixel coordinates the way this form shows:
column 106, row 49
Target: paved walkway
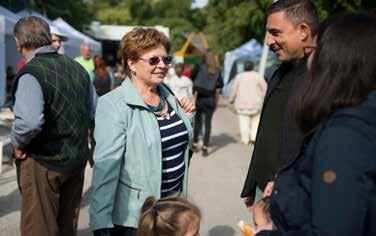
column 214, row 185
column 217, row 180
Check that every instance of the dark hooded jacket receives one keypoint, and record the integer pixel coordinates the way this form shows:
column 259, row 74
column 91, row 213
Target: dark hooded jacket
column 330, row 187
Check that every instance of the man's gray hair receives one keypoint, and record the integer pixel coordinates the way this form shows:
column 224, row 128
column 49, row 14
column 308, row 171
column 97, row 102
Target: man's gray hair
column 32, row 32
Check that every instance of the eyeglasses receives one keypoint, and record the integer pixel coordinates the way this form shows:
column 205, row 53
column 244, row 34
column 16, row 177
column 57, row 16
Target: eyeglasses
column 167, row 60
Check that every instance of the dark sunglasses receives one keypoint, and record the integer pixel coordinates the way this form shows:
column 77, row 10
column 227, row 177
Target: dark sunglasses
column 167, row 60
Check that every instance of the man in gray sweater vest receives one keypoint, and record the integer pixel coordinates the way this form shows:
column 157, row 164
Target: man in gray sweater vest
column 54, row 105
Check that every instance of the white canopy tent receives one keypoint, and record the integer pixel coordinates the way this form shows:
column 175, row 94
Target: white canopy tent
column 26, row 12
column 96, row 47
column 9, row 56
column 252, row 51
column 117, row 32
column 10, row 17
column 71, row 47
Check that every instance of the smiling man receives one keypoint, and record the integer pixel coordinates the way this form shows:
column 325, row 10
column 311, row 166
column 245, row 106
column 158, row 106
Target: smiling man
column 292, row 25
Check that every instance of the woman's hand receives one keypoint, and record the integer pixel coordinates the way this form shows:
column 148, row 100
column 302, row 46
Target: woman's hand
column 269, row 189
column 188, row 106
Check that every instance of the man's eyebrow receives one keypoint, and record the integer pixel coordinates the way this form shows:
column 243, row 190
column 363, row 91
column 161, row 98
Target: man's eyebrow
column 273, row 30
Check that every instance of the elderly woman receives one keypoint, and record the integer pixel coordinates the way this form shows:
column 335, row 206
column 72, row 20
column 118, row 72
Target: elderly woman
column 142, row 136
column 330, row 187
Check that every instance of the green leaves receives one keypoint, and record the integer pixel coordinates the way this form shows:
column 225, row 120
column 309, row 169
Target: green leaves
column 75, row 12
column 232, row 23
column 327, row 8
column 226, row 23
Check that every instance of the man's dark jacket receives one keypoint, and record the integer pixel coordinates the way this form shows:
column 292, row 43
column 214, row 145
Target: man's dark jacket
column 260, row 172
column 329, row 188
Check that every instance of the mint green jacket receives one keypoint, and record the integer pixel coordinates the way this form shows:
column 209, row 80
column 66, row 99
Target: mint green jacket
column 128, row 156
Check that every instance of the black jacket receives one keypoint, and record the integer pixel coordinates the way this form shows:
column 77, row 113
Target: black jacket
column 260, row 171
column 330, row 187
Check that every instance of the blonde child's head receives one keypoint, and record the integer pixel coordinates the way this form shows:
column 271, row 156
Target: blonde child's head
column 171, row 216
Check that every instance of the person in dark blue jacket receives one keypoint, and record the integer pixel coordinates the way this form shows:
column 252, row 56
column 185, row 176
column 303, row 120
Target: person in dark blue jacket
column 330, row 187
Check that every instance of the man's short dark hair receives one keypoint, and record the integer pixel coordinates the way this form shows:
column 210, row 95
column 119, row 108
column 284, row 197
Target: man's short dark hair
column 248, row 66
column 32, row 32
column 297, row 11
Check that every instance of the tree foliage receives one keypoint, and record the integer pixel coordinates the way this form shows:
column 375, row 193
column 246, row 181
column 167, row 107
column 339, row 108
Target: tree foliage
column 327, row 8
column 76, row 12
column 231, row 23
column 111, row 12
column 226, row 23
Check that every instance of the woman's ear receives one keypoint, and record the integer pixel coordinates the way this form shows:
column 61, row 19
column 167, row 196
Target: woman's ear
column 131, row 65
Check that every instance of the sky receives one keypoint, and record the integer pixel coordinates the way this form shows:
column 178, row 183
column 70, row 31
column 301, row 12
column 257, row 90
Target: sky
column 199, row 3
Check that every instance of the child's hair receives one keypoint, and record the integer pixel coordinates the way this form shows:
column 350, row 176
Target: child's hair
column 171, row 216
column 265, row 207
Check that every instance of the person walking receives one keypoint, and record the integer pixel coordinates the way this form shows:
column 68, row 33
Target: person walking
column 248, row 92
column 206, row 89
column 292, row 25
column 54, row 104
column 181, row 85
column 142, row 135
column 329, row 188
column 103, row 79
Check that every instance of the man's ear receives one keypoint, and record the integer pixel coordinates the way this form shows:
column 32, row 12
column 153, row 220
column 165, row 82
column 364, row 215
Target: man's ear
column 304, row 31
column 18, row 44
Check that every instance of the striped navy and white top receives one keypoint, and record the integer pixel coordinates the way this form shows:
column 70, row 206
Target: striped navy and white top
column 174, row 137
